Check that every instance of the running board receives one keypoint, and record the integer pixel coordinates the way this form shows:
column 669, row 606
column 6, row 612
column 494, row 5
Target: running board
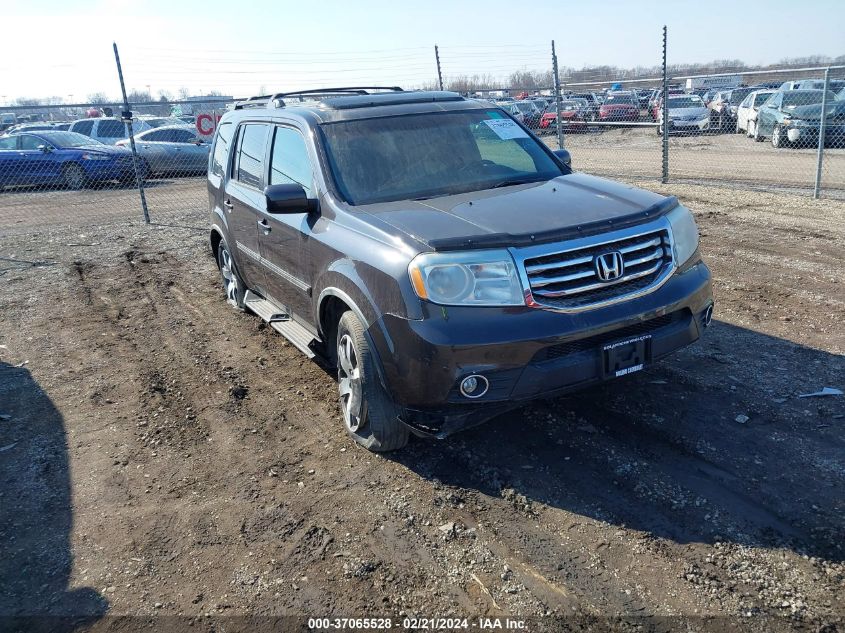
column 296, row 335
column 280, row 321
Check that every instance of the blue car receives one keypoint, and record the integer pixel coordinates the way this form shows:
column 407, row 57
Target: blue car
column 61, row 158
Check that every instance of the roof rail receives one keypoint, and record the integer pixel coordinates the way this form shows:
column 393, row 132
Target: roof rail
column 275, row 100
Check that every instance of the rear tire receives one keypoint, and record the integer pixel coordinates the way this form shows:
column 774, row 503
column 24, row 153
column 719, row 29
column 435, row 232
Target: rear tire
column 233, row 285
column 74, row 176
column 369, row 414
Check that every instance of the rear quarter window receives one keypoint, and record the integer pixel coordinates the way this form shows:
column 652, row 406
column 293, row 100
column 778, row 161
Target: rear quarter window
column 110, row 129
column 222, row 142
column 83, row 127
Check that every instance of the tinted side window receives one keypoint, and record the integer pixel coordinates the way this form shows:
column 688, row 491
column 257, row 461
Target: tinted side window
column 31, row 142
column 10, row 142
column 252, row 142
column 83, row 127
column 182, row 136
column 110, row 129
column 221, row 148
column 290, row 163
column 157, row 136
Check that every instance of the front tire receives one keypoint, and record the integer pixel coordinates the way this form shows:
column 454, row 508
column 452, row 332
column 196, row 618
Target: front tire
column 233, row 285
column 778, row 137
column 369, row 414
column 757, row 136
column 74, row 176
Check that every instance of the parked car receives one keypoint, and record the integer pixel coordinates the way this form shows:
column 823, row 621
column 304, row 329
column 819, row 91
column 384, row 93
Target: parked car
column 160, row 121
column 793, row 117
column 61, row 158
column 593, row 102
column 574, row 114
column 746, row 114
column 687, row 115
column 620, row 106
column 658, row 101
column 448, row 264
column 523, row 111
column 107, row 130
column 172, row 149
column 813, row 84
column 642, row 97
column 724, row 107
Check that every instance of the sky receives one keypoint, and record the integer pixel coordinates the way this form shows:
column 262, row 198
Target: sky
column 240, row 48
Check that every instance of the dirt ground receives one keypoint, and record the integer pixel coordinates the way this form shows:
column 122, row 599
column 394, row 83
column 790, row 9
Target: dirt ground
column 162, row 454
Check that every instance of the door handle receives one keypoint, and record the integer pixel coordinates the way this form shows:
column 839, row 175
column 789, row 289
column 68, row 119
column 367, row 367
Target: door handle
column 229, row 206
column 264, row 225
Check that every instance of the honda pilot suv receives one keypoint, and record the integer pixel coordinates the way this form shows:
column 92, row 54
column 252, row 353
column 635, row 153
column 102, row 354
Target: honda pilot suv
column 446, row 262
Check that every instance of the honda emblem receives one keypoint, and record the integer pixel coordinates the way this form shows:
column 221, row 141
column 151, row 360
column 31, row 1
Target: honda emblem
column 609, row 266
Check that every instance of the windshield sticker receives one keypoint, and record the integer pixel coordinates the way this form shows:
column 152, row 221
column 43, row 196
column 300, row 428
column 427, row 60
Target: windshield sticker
column 505, row 129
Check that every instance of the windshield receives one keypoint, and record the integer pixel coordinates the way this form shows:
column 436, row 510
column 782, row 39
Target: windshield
column 163, row 121
column 795, row 98
column 434, row 154
column 69, row 139
column 735, row 96
column 570, row 105
column 524, row 107
column 761, row 97
column 625, row 98
column 685, row 102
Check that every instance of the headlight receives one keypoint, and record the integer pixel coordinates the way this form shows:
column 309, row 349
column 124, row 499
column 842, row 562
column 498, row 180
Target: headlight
column 477, row 278
column 684, row 234
column 95, row 157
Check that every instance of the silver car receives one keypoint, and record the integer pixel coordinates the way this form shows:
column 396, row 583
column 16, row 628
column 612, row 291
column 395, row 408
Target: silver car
column 687, row 114
column 172, row 149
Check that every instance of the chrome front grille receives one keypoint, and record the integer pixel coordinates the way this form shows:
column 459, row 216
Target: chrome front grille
column 569, row 279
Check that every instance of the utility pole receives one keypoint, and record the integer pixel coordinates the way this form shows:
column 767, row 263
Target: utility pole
column 439, row 74
column 665, row 115
column 557, row 96
column 822, row 129
column 127, row 117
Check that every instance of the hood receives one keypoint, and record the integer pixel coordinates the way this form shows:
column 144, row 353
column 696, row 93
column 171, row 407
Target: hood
column 814, row 112
column 689, row 112
column 618, row 106
column 111, row 150
column 575, row 204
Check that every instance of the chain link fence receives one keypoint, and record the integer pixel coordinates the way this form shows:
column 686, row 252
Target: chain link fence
column 757, row 130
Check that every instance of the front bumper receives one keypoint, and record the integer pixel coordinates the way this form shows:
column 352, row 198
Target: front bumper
column 678, row 125
column 833, row 134
column 108, row 170
column 525, row 353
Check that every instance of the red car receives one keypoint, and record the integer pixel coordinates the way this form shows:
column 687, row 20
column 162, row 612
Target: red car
column 620, row 106
column 572, row 114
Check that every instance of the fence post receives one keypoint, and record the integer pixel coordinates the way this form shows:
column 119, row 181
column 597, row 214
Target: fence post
column 557, row 96
column 127, row 116
column 439, row 74
column 822, row 128
column 665, row 115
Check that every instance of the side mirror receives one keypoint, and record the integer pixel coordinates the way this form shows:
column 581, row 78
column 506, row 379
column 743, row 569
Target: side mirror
column 45, row 148
column 286, row 199
column 563, row 156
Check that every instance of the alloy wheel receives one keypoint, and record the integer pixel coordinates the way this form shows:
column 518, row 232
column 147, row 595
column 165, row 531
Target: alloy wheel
column 230, row 279
column 349, row 383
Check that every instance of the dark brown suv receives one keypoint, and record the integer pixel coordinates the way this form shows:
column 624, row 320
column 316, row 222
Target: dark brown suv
column 447, row 262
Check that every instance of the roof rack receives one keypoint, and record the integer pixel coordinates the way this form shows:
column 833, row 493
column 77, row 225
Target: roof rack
column 275, row 100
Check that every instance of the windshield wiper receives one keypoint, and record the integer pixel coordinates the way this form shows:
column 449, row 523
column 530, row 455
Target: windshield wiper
column 516, row 181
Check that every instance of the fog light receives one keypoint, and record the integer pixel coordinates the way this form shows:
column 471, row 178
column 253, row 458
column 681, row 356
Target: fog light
column 708, row 315
column 474, row 386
